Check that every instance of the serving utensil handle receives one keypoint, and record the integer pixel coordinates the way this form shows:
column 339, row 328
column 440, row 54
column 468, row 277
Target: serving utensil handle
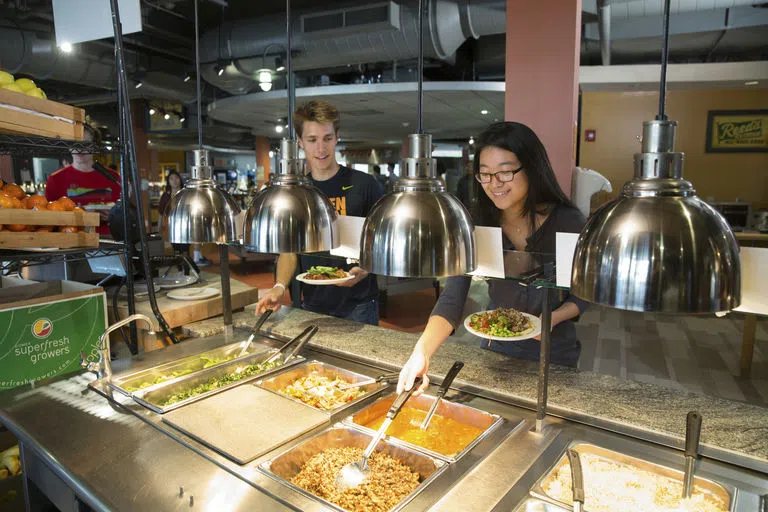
column 577, row 480
column 402, row 398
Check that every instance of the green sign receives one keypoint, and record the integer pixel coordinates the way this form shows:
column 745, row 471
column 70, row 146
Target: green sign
column 42, row 341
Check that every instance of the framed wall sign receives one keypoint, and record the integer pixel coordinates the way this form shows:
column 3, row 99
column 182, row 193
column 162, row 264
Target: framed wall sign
column 737, row 131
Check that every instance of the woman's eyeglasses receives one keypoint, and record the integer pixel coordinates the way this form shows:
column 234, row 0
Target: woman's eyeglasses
column 502, row 176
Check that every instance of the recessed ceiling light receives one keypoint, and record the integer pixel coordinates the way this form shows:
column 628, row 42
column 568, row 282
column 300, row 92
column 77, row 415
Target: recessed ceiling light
column 152, row 111
column 167, row 116
column 751, row 82
column 484, row 112
column 279, row 128
column 187, row 77
column 471, row 140
column 182, row 119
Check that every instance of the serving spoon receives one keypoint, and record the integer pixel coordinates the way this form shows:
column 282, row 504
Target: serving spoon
column 355, row 473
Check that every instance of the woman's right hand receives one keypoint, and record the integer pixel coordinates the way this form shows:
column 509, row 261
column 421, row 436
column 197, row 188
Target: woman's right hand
column 417, row 366
column 270, row 301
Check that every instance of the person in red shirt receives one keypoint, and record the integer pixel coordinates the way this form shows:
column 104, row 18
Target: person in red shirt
column 83, row 184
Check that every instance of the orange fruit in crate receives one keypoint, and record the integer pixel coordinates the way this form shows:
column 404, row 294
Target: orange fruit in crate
column 67, row 203
column 16, row 227
column 37, row 201
column 6, row 201
column 14, row 191
column 44, row 229
column 55, row 206
column 77, row 209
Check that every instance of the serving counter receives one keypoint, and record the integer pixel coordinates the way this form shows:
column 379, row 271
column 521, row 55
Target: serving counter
column 115, row 454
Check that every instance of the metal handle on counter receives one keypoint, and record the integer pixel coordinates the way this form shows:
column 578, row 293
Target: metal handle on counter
column 692, row 435
column 402, row 398
column 312, row 331
column 577, row 480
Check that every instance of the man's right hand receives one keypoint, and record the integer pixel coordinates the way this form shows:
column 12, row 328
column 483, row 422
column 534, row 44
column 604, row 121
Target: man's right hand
column 270, row 301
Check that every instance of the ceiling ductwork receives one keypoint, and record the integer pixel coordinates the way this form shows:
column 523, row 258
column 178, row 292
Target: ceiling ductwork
column 338, row 37
column 25, row 52
column 623, row 9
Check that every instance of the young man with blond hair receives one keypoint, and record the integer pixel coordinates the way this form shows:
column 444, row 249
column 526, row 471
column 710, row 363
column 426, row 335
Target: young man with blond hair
column 353, row 193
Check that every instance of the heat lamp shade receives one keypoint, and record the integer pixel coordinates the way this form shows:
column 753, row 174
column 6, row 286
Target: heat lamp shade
column 290, row 218
column 658, row 254
column 202, row 213
column 418, row 234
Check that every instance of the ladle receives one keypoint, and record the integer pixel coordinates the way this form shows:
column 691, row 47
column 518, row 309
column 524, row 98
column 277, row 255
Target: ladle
column 355, row 473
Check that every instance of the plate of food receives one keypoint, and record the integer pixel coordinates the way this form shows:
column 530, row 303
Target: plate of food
column 503, row 324
column 320, row 276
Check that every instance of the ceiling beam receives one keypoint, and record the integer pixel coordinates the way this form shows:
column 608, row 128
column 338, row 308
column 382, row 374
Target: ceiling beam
column 686, row 23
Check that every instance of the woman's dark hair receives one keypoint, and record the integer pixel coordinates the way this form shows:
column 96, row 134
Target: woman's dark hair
column 542, row 184
column 168, row 180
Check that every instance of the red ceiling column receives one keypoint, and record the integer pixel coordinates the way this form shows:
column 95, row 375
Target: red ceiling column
column 542, row 75
column 262, row 157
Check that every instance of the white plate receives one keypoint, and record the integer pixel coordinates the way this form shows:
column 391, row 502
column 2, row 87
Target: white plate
column 169, row 283
column 193, row 294
column 323, row 282
column 535, row 332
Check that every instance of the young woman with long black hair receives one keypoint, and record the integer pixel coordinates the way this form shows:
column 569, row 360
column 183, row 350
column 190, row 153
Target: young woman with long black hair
column 522, row 196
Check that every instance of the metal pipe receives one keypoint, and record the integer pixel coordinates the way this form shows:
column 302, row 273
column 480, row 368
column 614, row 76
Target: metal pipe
column 664, row 59
column 128, row 146
column 604, row 28
column 197, row 73
column 544, row 355
column 289, row 69
column 420, row 128
column 226, row 294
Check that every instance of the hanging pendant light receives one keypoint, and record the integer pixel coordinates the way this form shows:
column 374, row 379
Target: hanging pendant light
column 419, row 229
column 290, row 215
column 201, row 212
column 658, row 247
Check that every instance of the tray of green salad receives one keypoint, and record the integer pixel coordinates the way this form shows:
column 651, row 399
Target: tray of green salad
column 503, row 324
column 191, row 388
column 155, row 376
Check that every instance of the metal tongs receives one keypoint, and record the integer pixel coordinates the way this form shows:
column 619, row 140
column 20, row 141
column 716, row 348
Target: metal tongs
column 263, row 318
column 447, row 381
column 302, row 340
column 386, row 377
column 692, row 434
column 355, row 473
column 577, row 480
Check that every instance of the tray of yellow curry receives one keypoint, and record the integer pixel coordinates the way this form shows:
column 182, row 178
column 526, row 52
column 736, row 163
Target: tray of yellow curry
column 452, row 432
column 321, row 385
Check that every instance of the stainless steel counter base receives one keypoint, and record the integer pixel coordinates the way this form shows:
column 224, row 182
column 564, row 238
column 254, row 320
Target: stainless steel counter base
column 117, row 455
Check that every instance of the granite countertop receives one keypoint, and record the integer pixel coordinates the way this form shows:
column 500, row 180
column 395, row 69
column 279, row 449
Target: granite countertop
column 731, row 430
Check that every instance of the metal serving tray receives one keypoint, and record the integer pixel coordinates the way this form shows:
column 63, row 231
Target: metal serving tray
column 151, row 398
column 286, row 465
column 188, row 365
column 534, row 505
column 281, row 380
column 461, row 413
column 724, row 492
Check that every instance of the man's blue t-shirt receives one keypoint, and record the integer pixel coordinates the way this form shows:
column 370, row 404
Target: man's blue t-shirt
column 353, row 193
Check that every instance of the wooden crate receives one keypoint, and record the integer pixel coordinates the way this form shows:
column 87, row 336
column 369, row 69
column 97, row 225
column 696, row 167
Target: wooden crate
column 33, row 240
column 28, row 115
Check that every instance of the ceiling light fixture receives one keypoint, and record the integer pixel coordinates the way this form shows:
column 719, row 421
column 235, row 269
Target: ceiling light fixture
column 658, row 247
column 152, row 111
column 218, row 69
column 66, row 47
column 279, row 65
column 484, row 112
column 265, row 79
column 418, row 229
column 290, row 215
column 751, row 82
column 166, row 116
column 471, row 141
column 279, row 128
column 139, row 84
column 182, row 119
column 187, row 77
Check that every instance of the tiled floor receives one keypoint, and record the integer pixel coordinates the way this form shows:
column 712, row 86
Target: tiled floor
column 698, row 354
